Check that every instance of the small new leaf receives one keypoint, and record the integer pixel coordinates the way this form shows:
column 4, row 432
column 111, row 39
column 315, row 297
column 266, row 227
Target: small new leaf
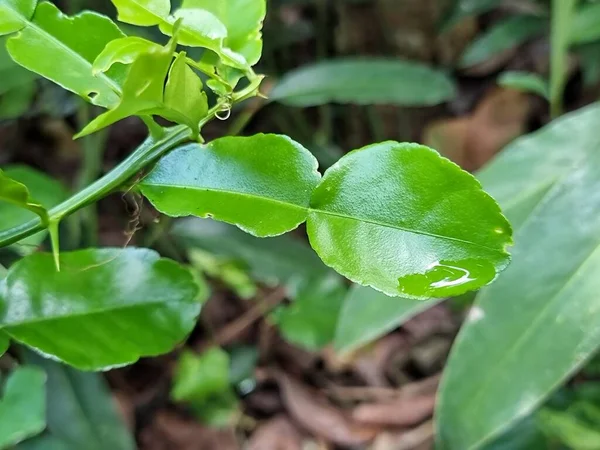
column 125, row 51
column 12, row 191
column 184, row 95
column 143, row 13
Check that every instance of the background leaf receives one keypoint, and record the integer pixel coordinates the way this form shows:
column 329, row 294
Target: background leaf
column 261, row 184
column 434, row 233
column 586, row 24
column 364, row 81
column 22, row 406
column 14, row 14
column 80, row 413
column 368, row 314
column 525, row 81
column 17, row 194
column 493, row 377
column 53, row 45
column 281, row 260
column 503, row 36
column 105, row 308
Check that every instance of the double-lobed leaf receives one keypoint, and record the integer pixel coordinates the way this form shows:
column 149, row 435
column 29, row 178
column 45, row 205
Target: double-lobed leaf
column 63, row 49
column 397, row 217
column 22, row 406
column 538, row 323
column 364, row 81
column 106, row 307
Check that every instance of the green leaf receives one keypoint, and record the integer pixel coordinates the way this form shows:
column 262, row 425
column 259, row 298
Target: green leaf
column 585, row 26
column 202, row 381
column 368, row 314
column 47, row 191
column 526, row 82
column 525, row 435
column 17, row 194
column 243, row 20
column 462, row 9
column 124, row 51
column 404, row 220
column 183, row 93
column 262, row 183
column 4, row 343
column 51, row 45
column 14, row 14
column 22, row 408
column 501, row 366
column 503, row 36
column 80, row 411
column 310, row 321
column 281, row 260
column 569, row 430
column 105, row 308
column 142, row 12
column 17, row 101
column 364, row 81
column 562, row 19
column 143, row 90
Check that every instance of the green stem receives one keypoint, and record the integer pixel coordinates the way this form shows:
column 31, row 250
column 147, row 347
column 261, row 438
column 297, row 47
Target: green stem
column 562, row 14
column 147, row 153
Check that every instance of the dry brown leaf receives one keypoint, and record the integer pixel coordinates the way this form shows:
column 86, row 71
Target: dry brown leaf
column 420, row 438
column 276, row 434
column 403, row 412
column 319, row 417
column 168, row 431
column 473, row 140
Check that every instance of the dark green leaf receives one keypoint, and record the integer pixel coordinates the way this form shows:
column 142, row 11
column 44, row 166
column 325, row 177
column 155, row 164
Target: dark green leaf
column 368, row 314
column 525, row 435
column 51, row 45
column 4, row 343
column 22, row 407
column 586, row 24
column 364, row 81
column 47, row 191
column 502, row 365
column 568, row 429
column 503, row 36
column 105, row 308
column 14, row 14
column 525, row 81
column 310, row 321
column 460, row 9
column 81, row 413
column 243, row 361
column 261, row 184
column 404, row 220
column 280, row 260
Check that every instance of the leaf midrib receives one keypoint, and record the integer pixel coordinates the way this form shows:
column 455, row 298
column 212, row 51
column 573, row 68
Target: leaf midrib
column 329, row 213
column 153, row 303
column 113, row 85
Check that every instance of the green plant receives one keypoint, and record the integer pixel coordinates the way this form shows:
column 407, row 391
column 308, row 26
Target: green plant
column 394, row 216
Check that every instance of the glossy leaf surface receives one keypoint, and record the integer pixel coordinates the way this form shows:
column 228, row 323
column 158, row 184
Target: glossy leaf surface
column 503, row 36
column 14, row 14
column 22, row 406
column 63, row 49
column 243, row 20
column 124, row 50
column 104, row 308
column 310, row 320
column 45, row 190
column 80, row 412
column 364, row 81
column 404, row 220
column 280, row 260
column 368, row 314
column 262, row 183
column 538, row 323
